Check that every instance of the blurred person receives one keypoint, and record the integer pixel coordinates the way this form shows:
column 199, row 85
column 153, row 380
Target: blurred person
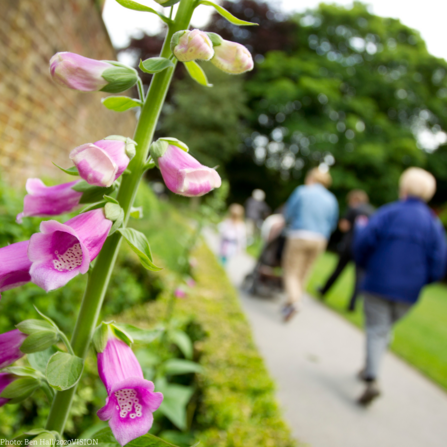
column 233, row 235
column 402, row 248
column 311, row 215
column 256, row 211
column 358, row 206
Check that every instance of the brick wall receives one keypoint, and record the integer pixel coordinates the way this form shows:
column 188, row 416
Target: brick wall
column 41, row 122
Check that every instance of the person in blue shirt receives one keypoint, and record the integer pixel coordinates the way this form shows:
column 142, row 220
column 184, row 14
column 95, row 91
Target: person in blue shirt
column 311, row 215
column 401, row 248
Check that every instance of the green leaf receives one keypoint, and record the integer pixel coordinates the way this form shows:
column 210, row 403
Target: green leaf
column 64, row 370
column 120, row 78
column 180, row 366
column 100, row 337
column 130, row 4
column 140, row 245
column 136, row 212
column 155, row 65
column 143, row 335
column 92, row 194
column 116, row 214
column 105, row 438
column 39, row 360
column 94, row 206
column 175, row 400
column 20, row 389
column 46, row 318
column 183, row 342
column 113, row 211
column 175, row 142
column 30, row 326
column 122, row 334
column 226, row 14
column 196, row 72
column 111, row 200
column 39, row 341
column 121, row 103
column 70, row 171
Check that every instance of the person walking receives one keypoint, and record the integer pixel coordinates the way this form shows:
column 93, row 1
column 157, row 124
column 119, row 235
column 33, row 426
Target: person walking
column 232, row 231
column 402, row 248
column 358, row 206
column 256, row 210
column 311, row 215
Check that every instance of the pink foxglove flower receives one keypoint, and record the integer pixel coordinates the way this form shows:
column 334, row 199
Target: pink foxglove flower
column 179, row 292
column 182, row 173
column 10, row 343
column 191, row 45
column 190, row 282
column 62, row 251
column 5, row 380
column 14, row 266
column 81, row 73
column 232, row 57
column 101, row 163
column 131, row 399
column 45, row 201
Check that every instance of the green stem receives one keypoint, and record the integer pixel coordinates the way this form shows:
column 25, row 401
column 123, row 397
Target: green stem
column 100, row 276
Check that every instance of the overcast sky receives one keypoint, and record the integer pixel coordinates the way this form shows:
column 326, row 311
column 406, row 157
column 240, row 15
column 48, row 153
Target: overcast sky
column 427, row 16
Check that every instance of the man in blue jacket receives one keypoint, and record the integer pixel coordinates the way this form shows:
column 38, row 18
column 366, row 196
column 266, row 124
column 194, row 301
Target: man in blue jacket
column 402, row 248
column 311, row 215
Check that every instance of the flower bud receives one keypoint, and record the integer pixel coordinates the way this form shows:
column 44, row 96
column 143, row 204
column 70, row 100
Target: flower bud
column 88, row 75
column 231, row 57
column 101, row 163
column 181, row 172
column 191, row 45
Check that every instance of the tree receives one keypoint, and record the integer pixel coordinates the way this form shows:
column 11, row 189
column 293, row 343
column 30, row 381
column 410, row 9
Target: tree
column 353, row 91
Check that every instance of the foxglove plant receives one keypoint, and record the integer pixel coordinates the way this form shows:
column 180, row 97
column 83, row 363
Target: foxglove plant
column 110, row 170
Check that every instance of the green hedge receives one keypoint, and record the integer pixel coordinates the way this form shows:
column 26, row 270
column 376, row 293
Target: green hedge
column 235, row 404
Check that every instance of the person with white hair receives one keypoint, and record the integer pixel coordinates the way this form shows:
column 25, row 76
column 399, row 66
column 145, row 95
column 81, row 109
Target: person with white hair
column 401, row 249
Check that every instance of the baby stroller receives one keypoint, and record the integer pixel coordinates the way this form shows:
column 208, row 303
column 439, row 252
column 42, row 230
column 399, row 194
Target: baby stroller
column 266, row 277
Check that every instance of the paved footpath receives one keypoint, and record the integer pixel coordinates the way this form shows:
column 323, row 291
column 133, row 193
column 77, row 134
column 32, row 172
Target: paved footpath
column 314, row 359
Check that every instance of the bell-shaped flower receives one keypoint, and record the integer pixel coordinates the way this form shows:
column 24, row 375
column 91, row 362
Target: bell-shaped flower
column 131, row 399
column 180, row 292
column 191, row 45
column 5, row 380
column 43, row 201
column 181, row 172
column 10, row 343
column 101, row 163
column 230, row 57
column 61, row 251
column 14, row 266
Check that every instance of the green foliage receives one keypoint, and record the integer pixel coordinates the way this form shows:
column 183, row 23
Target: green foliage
column 212, row 133
column 352, row 90
column 235, row 404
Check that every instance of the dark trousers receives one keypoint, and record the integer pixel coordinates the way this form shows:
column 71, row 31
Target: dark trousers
column 343, row 260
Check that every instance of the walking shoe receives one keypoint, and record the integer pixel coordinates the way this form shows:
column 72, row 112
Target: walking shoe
column 371, row 392
column 288, row 311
